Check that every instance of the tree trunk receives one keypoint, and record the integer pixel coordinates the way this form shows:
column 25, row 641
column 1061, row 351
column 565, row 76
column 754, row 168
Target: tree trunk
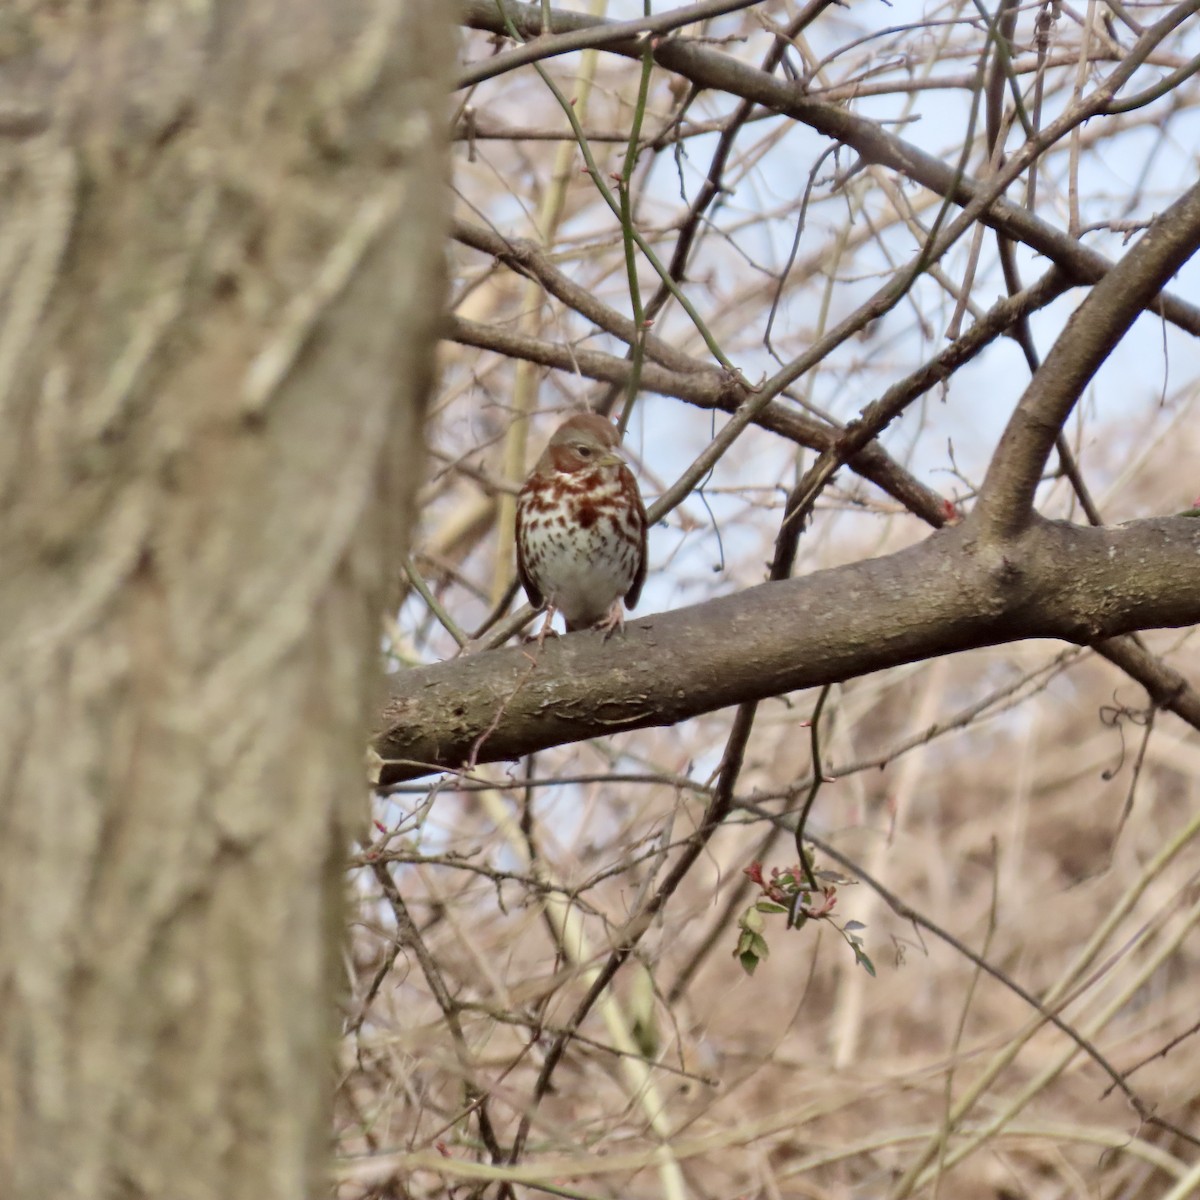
column 220, row 259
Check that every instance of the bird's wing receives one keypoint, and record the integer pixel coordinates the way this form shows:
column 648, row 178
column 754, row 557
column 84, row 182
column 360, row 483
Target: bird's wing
column 639, row 576
column 531, row 590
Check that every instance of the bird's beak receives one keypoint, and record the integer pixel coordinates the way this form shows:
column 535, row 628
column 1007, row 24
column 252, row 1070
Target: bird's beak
column 611, row 459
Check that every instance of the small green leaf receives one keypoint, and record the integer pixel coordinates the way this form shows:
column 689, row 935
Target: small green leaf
column 769, row 906
column 749, row 963
column 860, row 956
column 752, row 920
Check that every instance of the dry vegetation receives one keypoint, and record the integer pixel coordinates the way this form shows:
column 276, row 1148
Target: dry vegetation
column 1023, row 808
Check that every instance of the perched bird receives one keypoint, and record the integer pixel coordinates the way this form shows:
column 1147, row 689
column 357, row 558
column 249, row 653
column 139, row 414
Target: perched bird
column 581, row 528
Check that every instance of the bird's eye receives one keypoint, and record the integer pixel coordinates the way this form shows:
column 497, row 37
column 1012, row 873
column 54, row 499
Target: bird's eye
column 584, row 451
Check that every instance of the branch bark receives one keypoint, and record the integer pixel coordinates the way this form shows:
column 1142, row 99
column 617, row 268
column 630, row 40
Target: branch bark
column 1104, row 317
column 951, row 592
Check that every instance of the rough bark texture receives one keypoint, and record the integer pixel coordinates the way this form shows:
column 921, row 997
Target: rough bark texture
column 951, row 592
column 220, row 257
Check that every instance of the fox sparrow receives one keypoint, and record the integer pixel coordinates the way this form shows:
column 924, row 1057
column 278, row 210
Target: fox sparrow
column 581, row 527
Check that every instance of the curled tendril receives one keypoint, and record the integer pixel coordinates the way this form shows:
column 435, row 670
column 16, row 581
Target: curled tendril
column 1114, row 716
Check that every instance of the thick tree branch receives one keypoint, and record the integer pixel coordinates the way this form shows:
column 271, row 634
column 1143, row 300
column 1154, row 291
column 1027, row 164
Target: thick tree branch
column 550, row 45
column 950, row 593
column 1164, row 685
column 708, row 68
column 706, row 386
column 1006, row 501
column 711, row 388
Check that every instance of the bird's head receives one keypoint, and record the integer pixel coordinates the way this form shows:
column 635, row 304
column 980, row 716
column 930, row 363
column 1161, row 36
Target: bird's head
column 582, row 442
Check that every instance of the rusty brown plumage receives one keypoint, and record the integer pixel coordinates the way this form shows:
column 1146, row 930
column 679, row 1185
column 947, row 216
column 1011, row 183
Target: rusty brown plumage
column 581, row 527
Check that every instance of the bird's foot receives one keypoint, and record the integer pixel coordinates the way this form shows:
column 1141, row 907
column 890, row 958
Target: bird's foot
column 545, row 631
column 613, row 621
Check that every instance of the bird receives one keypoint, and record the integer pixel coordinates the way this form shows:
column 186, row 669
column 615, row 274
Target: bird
column 581, row 528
